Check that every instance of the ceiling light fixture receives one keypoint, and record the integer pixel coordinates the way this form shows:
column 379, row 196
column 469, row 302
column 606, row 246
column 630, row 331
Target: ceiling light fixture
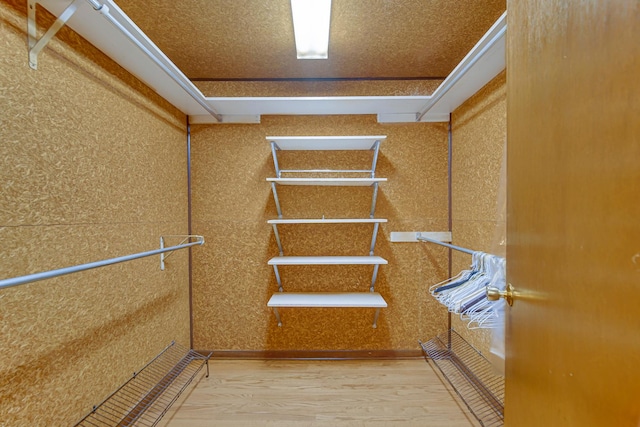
column 311, row 20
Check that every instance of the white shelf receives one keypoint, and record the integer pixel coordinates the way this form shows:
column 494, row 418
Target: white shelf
column 484, row 62
column 339, row 182
column 304, row 143
column 327, row 260
column 317, row 299
column 328, row 221
column 321, row 299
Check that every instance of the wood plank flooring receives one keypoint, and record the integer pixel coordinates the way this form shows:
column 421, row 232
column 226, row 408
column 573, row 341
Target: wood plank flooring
column 363, row 393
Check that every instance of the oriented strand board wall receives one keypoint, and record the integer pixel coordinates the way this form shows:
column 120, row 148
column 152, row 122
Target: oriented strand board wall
column 92, row 166
column 232, row 202
column 479, row 184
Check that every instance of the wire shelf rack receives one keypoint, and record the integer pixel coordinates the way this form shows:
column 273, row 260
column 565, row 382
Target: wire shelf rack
column 144, row 399
column 470, row 374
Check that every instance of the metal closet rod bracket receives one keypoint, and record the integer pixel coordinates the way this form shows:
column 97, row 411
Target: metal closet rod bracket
column 185, row 238
column 35, row 44
column 147, row 47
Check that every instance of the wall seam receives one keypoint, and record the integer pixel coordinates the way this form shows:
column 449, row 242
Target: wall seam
column 450, row 208
column 190, row 232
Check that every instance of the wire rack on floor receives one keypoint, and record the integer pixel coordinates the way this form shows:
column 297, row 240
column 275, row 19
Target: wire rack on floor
column 149, row 393
column 470, row 374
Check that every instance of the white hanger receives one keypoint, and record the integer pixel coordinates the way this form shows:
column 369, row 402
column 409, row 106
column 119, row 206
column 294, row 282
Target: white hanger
column 489, row 314
column 486, row 270
column 477, row 281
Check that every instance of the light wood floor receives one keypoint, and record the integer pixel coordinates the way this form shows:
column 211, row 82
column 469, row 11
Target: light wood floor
column 364, row 393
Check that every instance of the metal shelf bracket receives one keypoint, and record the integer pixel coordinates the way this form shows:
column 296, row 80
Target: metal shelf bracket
column 185, row 239
column 35, row 44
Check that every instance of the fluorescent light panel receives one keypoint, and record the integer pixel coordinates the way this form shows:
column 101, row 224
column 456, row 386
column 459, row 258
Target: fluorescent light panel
column 311, row 20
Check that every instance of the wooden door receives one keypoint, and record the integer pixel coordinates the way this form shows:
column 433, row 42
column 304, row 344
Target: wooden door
column 573, row 121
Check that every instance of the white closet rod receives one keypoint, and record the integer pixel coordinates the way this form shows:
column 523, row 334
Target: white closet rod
column 21, row 280
column 175, row 74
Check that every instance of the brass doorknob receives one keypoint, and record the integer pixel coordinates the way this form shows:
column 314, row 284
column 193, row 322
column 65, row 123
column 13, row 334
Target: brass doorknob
column 494, row 294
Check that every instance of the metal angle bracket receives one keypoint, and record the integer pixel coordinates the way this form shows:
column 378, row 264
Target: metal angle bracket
column 185, row 238
column 35, row 44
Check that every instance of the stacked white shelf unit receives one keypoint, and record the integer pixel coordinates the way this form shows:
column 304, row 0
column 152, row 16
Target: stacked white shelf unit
column 368, row 299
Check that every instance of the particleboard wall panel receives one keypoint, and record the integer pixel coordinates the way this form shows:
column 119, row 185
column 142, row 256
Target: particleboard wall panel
column 319, row 88
column 479, row 185
column 93, row 166
column 232, row 202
